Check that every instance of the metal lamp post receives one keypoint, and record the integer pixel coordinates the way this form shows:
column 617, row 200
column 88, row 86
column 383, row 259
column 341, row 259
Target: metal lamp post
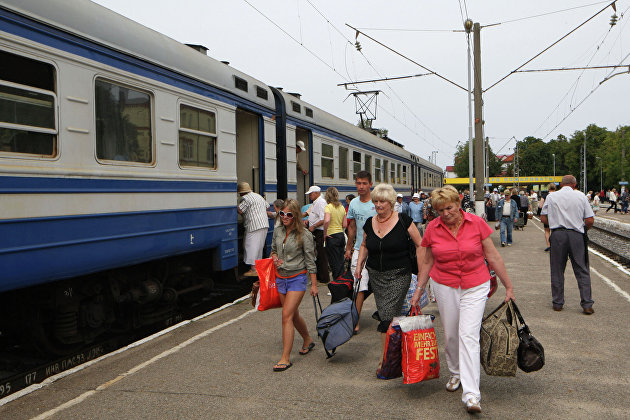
column 554, row 165
column 601, row 185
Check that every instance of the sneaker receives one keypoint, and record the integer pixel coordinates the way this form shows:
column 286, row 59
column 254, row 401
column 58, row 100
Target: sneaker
column 547, row 249
column 509, row 244
column 453, row 384
column 472, row 405
column 502, row 243
column 251, row 273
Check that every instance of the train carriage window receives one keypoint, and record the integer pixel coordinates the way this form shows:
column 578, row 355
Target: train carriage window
column 377, row 169
column 296, row 107
column 392, row 173
column 328, row 161
column 197, row 137
column 356, row 163
column 368, row 163
column 240, row 83
column 404, row 174
column 343, row 163
column 385, row 166
column 398, row 174
column 123, row 123
column 308, row 112
column 28, row 119
column 262, row 93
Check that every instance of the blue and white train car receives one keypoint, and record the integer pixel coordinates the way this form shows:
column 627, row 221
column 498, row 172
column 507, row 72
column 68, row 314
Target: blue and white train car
column 336, row 150
column 119, row 146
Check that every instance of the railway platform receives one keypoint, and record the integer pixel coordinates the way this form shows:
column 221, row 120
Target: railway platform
column 220, row 366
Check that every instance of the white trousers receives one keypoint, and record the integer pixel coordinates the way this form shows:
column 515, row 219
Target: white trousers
column 365, row 278
column 254, row 243
column 461, row 312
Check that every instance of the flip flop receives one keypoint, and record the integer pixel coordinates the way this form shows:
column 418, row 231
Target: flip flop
column 281, row 367
column 306, row 350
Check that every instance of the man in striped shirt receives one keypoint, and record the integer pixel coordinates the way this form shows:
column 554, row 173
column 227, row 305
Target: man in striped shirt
column 253, row 208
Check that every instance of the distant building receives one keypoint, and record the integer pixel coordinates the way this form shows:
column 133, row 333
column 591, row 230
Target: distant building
column 506, row 160
column 450, row 172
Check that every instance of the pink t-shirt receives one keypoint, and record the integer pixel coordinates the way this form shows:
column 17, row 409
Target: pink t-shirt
column 458, row 262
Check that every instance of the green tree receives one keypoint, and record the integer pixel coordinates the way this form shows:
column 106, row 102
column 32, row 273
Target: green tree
column 461, row 161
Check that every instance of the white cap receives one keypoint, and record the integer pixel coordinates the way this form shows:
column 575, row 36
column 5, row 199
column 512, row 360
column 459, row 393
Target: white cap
column 314, row 188
column 300, row 144
column 399, row 195
column 416, row 195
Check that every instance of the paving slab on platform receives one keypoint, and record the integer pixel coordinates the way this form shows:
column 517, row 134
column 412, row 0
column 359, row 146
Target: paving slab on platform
column 227, row 371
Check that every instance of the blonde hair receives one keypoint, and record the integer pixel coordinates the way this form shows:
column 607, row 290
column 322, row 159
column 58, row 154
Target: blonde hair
column 444, row 195
column 296, row 223
column 384, row 192
column 332, row 196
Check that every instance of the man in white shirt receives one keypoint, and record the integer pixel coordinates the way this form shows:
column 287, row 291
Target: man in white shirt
column 316, row 215
column 569, row 214
column 253, row 208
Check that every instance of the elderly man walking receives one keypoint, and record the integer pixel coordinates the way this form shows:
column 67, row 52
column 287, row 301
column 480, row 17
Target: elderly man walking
column 569, row 215
column 316, row 214
column 253, row 208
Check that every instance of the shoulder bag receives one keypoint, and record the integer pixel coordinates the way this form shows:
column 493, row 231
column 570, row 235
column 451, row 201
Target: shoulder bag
column 499, row 341
column 412, row 249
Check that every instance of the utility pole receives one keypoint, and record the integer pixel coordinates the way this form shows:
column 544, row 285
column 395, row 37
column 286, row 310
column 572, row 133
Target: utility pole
column 479, row 205
column 468, row 25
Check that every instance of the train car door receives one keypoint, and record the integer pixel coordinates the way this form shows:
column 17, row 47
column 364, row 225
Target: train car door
column 248, row 141
column 304, row 161
column 249, row 165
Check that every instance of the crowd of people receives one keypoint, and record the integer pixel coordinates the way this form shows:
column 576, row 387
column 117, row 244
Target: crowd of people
column 374, row 231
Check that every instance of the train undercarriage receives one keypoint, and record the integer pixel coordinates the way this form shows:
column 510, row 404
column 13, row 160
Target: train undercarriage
column 60, row 317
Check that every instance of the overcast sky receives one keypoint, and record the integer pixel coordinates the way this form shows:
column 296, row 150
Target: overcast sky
column 424, row 113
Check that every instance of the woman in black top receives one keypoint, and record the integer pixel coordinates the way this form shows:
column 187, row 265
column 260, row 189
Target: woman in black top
column 385, row 246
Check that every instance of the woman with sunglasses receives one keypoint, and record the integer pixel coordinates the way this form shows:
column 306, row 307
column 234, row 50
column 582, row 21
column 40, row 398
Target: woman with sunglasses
column 293, row 253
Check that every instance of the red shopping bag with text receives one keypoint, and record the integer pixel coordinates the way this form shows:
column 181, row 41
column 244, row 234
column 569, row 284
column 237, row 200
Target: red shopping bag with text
column 420, row 360
column 268, row 296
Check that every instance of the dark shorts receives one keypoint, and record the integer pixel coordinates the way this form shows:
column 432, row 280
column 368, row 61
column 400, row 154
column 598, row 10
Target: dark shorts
column 296, row 283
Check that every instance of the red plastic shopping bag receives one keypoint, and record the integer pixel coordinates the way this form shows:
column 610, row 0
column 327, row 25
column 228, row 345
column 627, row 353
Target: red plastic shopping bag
column 420, row 360
column 268, row 297
column 391, row 366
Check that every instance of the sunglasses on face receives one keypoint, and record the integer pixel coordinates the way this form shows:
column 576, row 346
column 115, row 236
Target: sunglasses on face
column 287, row 214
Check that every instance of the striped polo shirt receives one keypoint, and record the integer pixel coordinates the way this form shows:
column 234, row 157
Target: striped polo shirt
column 254, row 208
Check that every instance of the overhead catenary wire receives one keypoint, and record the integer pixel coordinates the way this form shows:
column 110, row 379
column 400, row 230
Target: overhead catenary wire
column 407, row 58
column 549, row 47
column 485, row 26
column 574, row 85
column 588, row 96
column 390, row 88
column 294, row 39
column 549, row 13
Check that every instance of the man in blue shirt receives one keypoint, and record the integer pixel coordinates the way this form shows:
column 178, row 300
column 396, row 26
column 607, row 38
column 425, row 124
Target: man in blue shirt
column 360, row 209
column 415, row 211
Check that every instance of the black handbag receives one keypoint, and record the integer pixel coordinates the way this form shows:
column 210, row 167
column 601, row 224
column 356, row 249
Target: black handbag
column 531, row 354
column 411, row 246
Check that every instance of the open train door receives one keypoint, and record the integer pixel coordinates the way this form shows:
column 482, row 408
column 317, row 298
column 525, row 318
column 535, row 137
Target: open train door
column 249, row 164
column 304, row 164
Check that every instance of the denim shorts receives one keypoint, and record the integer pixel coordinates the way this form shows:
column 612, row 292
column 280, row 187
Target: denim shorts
column 292, row 284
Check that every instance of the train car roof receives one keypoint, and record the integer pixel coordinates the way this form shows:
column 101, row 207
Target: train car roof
column 99, row 24
column 343, row 127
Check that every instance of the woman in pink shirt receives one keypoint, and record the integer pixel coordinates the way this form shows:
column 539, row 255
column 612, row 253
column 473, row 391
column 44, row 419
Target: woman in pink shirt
column 456, row 244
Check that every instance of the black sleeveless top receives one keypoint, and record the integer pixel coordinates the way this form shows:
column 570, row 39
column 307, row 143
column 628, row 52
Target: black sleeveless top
column 391, row 251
